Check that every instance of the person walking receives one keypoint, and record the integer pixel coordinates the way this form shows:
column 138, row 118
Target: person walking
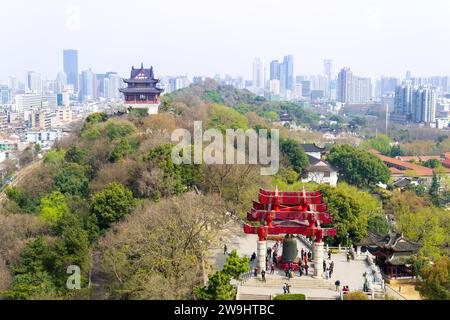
column 306, row 268
column 225, row 249
column 255, row 273
column 337, row 284
column 329, row 254
column 324, row 265
column 284, row 288
column 309, row 255
column 263, row 276
column 272, row 268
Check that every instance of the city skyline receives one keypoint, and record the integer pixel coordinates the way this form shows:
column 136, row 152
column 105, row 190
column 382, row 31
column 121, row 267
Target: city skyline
column 373, row 38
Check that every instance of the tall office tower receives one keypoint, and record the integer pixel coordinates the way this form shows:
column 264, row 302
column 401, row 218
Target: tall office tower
column 71, row 67
column 33, row 82
column 274, row 70
column 274, row 87
column 61, row 82
column 344, row 85
column 288, row 72
column 424, row 105
column 87, row 86
column 361, row 90
column 258, row 76
column 403, row 99
column 328, row 68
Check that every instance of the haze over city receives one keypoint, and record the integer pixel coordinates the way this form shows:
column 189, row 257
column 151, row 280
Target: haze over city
column 210, row 37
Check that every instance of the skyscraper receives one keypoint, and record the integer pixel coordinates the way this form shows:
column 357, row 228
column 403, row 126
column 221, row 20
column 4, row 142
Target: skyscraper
column 33, row 82
column 275, row 70
column 328, row 68
column 424, row 105
column 88, row 85
column 403, row 99
column 258, row 76
column 71, row 67
column 288, row 67
column 344, row 85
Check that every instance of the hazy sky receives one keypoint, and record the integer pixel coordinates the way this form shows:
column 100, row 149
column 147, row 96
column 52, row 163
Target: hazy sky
column 196, row 37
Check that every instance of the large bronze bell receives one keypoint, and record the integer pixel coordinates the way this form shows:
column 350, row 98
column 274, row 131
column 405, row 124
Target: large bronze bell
column 290, row 250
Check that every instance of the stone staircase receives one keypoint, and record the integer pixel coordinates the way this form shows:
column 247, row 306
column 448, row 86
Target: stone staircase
column 304, row 282
column 252, row 296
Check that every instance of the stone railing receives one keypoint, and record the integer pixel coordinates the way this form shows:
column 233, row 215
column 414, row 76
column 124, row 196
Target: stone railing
column 308, row 243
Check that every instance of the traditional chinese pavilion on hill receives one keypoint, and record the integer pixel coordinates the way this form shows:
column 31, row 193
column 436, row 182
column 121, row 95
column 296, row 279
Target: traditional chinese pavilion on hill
column 142, row 91
column 290, row 213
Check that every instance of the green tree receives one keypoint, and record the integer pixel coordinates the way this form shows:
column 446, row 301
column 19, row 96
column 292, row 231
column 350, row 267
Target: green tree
column 71, row 179
column 235, row 265
column 222, row 118
column 434, row 191
column 295, row 155
column 120, row 150
column 381, row 142
column 378, row 225
column 358, row 166
column 53, row 207
column 112, row 204
column 433, row 163
column 434, row 281
column 76, row 155
column 119, row 129
column 350, row 209
column 218, row 288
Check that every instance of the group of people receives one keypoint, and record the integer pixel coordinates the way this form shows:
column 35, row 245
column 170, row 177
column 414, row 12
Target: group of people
column 305, row 255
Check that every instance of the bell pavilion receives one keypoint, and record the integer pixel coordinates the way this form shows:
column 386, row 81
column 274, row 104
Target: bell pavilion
column 142, row 91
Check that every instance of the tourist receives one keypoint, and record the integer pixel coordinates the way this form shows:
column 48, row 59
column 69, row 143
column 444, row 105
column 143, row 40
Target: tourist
column 255, row 273
column 309, row 255
column 337, row 284
column 302, row 253
column 348, row 257
column 272, row 269
column 263, row 276
column 253, row 257
column 306, row 268
column 274, row 259
column 329, row 254
column 286, row 288
column 269, row 252
column 286, row 272
column 225, row 249
column 330, row 272
column 300, row 270
column 324, row 265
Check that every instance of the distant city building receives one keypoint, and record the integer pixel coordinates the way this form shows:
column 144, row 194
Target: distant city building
column 70, row 61
column 274, row 87
column 275, row 70
column 33, row 82
column 417, row 104
column 87, row 85
column 424, row 105
column 258, row 76
column 361, row 90
column 344, row 86
column 5, row 94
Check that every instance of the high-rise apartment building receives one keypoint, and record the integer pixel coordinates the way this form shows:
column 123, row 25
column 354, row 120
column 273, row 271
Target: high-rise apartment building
column 344, row 86
column 361, row 90
column 274, row 70
column 288, row 68
column 403, row 99
column 424, row 105
column 70, row 62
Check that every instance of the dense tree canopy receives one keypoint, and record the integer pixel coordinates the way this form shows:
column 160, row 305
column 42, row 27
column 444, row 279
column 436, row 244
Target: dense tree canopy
column 357, row 166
